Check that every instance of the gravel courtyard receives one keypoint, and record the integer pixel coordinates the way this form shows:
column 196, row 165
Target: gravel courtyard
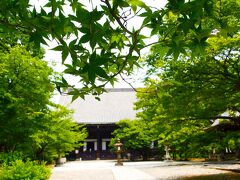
column 149, row 170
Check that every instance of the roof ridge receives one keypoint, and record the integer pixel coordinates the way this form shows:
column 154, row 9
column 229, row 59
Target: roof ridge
column 111, row 89
column 119, row 89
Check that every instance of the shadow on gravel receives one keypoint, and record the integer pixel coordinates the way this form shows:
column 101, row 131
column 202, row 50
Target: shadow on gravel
column 228, row 176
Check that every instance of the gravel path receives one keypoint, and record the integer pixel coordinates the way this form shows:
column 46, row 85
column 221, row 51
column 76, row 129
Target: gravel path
column 105, row 170
column 172, row 172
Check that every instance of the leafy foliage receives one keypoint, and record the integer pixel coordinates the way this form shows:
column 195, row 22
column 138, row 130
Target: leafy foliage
column 58, row 134
column 134, row 134
column 203, row 88
column 8, row 158
column 25, row 170
column 183, row 136
column 29, row 122
column 25, row 92
column 195, row 59
column 190, row 92
column 115, row 45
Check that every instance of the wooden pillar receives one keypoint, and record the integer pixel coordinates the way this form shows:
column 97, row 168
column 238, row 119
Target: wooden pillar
column 99, row 142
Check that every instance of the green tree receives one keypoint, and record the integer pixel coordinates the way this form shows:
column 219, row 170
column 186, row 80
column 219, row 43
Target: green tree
column 184, row 137
column 135, row 135
column 115, row 46
column 29, row 121
column 189, row 93
column 57, row 135
column 25, row 90
column 202, row 88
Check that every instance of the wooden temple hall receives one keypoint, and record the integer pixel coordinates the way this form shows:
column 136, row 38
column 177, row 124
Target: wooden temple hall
column 100, row 118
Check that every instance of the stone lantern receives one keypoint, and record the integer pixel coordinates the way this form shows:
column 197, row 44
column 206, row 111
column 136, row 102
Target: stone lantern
column 167, row 156
column 118, row 145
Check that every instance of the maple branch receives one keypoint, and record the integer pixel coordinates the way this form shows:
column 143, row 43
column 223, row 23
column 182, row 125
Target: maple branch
column 116, row 17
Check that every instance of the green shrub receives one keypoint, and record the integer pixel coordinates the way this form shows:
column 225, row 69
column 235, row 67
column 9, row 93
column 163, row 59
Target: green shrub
column 29, row 170
column 8, row 158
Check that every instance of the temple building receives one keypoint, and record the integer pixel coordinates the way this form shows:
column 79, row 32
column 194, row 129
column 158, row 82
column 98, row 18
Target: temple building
column 100, row 118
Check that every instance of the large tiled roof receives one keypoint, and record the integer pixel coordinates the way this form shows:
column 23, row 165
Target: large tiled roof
column 115, row 105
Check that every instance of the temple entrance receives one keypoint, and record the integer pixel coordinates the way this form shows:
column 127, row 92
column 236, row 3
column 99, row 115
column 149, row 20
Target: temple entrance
column 90, row 146
column 96, row 146
column 97, row 143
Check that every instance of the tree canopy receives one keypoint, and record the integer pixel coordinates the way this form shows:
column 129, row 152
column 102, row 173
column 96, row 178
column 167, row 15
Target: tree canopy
column 101, row 39
column 29, row 121
column 195, row 98
column 56, row 135
column 136, row 136
column 195, row 58
column 202, row 88
column 25, row 92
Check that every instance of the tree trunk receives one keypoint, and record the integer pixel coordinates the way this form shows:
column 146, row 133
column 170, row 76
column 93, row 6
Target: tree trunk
column 145, row 155
column 238, row 153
